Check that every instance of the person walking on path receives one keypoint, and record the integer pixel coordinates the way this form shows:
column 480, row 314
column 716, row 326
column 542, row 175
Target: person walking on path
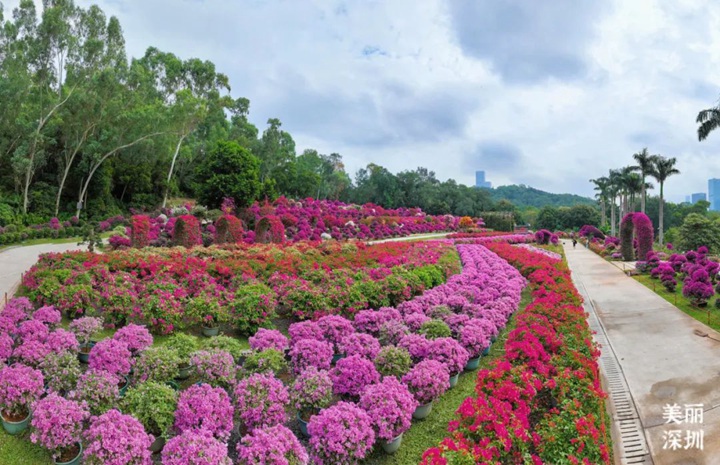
column 574, row 242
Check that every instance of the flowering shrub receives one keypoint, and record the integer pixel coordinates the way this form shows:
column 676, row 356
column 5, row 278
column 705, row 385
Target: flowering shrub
column 393, row 361
column 270, row 229
column 312, row 390
column 195, row 447
column 136, row 337
column 427, row 381
column 57, row 423
column 186, row 231
column 360, row 344
column 252, row 306
column 335, row 329
column 433, row 329
column 6, row 347
column 626, row 237
column 153, row 404
column 112, row 356
column 697, row 286
column 474, row 339
column 543, row 236
column 268, row 339
column 267, row 361
column 448, row 351
column 392, row 331
column 340, row 435
column 32, row 330
column 140, row 231
column 228, row 229
column 370, row 321
column 98, row 389
column 261, row 400
column 352, row 374
column 202, row 406
column 61, row 371
column 184, row 344
column 390, row 406
column 225, row 343
column 20, row 386
column 309, row 352
column 215, row 367
column 47, row 315
column 274, row 445
column 304, row 330
column 62, row 340
column 117, row 439
column 416, row 345
column 84, row 328
column 157, row 364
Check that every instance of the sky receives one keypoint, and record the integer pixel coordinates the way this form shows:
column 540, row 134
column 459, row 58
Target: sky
column 543, row 93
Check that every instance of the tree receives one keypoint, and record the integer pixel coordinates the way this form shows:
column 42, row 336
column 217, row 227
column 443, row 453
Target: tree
column 644, row 164
column 602, row 185
column 662, row 169
column 709, row 120
column 548, row 218
column 697, row 231
column 229, row 170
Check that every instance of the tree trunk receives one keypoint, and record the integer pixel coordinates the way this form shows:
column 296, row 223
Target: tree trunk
column 172, row 167
column 660, row 226
column 612, row 217
column 603, row 216
column 642, row 199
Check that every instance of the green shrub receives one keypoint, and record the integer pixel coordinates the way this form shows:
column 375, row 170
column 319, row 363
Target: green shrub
column 225, row 343
column 434, row 329
column 393, row 361
column 184, row 345
column 159, row 364
column 269, row 360
column 252, row 307
column 153, row 404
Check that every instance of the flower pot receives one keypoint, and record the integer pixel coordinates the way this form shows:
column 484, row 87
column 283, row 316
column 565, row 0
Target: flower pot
column 173, row 385
column 75, row 461
column 124, row 387
column 303, row 426
column 15, row 427
column 487, row 350
column 454, row 380
column 392, row 446
column 337, row 357
column 209, row 332
column 157, row 445
column 184, row 372
column 493, row 339
column 472, row 364
column 83, row 356
column 422, row 411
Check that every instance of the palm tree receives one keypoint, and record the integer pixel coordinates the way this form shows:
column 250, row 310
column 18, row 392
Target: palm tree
column 602, row 185
column 644, row 165
column 613, row 192
column 626, row 183
column 635, row 186
column 662, row 169
column 709, row 120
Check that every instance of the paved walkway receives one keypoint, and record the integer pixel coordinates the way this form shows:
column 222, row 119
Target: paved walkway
column 16, row 260
column 662, row 360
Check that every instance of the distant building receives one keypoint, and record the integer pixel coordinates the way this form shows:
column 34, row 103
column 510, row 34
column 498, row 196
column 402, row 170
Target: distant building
column 480, row 180
column 695, row 198
column 688, row 199
column 714, row 194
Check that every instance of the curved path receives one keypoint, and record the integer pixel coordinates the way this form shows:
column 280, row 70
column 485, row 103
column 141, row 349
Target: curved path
column 650, row 348
column 15, row 261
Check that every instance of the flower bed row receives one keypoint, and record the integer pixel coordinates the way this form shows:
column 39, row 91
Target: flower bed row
column 542, row 402
column 241, row 285
column 388, row 363
column 505, row 238
column 547, row 253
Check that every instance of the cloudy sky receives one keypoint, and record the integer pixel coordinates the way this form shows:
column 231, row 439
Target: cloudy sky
column 544, row 93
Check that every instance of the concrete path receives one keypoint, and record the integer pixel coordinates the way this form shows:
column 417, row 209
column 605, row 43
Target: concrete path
column 413, row 237
column 663, row 362
column 16, row 260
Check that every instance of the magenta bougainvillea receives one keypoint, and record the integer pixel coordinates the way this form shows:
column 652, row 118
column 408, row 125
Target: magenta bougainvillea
column 228, row 230
column 195, row 447
column 340, row 435
column 270, row 229
column 261, row 400
column 275, row 445
column 643, row 233
column 186, row 231
column 57, row 423
column 140, row 235
column 202, row 406
column 117, row 439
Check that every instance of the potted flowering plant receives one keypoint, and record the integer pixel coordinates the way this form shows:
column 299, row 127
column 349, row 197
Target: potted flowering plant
column 195, row 446
column 427, row 381
column 361, row 344
column 352, row 374
column 340, row 435
column 20, row 386
column 261, row 400
column 225, row 343
column 434, row 329
column 116, row 439
column 61, row 371
column 268, row 339
column 84, row 329
column 215, row 367
column 448, row 351
column 154, row 405
column 115, row 358
column 390, row 406
column 310, row 352
column 185, row 345
column 136, row 337
column 98, row 389
column 476, row 342
column 274, row 444
column 48, row 315
column 311, row 392
column 335, row 328
column 209, row 311
column 393, row 361
column 57, row 425
column 159, row 364
column 267, row 361
column 206, row 406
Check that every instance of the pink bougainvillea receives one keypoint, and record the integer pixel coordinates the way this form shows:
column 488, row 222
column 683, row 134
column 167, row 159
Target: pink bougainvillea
column 187, row 231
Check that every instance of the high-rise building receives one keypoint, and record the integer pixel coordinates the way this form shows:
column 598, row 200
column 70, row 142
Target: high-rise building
column 714, row 194
column 480, row 180
column 695, row 198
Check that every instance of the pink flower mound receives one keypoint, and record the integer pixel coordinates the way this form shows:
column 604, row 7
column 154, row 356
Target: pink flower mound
column 415, row 320
column 304, row 330
column 448, row 351
column 98, row 389
column 370, row 321
column 57, row 423
column 360, row 344
column 275, row 445
column 268, row 339
column 335, row 328
column 340, row 435
column 31, row 352
column 390, row 406
column 216, row 367
column 136, row 337
column 195, row 447
column 111, row 356
column 47, row 315
column 644, row 234
column 85, row 327
column 205, row 407
column 261, row 400
column 427, row 381
column 20, row 386
column 33, row 330
column 311, row 353
column 61, row 340
column 352, row 374
column 6, row 347
column 117, row 439
column 312, row 390
column 474, row 339
column 417, row 344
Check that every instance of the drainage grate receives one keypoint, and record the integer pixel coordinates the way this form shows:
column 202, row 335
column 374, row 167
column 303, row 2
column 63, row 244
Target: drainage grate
column 633, row 448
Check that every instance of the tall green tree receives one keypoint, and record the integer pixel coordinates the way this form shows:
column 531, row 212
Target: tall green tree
column 229, row 170
column 602, row 186
column 644, row 164
column 708, row 120
column 662, row 169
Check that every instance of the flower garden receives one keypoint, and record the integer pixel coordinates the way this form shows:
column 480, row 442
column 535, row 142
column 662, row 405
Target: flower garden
column 328, row 353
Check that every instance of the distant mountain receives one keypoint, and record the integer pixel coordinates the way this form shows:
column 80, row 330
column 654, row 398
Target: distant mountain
column 526, row 196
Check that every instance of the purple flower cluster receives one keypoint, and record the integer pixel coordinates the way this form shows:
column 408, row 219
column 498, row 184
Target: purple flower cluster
column 449, row 352
column 47, row 315
column 202, row 406
column 136, row 337
column 312, row 390
column 20, row 386
column 352, row 374
column 57, row 423
column 274, row 445
column 98, row 389
column 335, row 328
column 361, row 344
column 340, row 435
column 304, row 330
column 117, row 439
column 216, row 367
column 268, row 339
column 311, row 353
column 390, row 406
column 195, row 447
column 85, row 327
column 112, row 356
column 427, row 381
column 261, row 400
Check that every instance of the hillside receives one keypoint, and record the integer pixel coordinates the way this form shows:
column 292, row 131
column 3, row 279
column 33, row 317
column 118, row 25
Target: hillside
column 526, row 196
